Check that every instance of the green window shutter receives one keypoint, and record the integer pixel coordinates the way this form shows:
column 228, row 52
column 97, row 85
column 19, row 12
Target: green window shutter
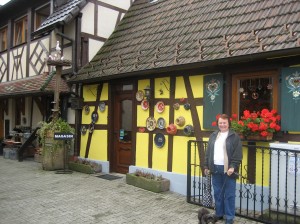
column 290, row 99
column 213, row 99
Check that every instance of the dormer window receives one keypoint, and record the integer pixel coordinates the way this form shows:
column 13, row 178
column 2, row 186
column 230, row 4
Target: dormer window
column 41, row 15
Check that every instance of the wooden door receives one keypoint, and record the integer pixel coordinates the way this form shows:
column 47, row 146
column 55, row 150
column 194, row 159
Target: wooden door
column 122, row 132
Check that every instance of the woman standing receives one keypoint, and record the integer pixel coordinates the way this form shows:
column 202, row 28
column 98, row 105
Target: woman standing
column 222, row 160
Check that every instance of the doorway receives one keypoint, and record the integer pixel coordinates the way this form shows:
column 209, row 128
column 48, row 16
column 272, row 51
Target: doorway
column 122, row 129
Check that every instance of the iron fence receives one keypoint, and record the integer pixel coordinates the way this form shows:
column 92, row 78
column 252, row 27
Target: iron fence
column 267, row 189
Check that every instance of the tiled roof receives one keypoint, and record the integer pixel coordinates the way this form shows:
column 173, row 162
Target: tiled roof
column 33, row 85
column 181, row 32
column 62, row 15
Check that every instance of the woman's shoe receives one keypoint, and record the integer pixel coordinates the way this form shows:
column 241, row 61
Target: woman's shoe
column 229, row 221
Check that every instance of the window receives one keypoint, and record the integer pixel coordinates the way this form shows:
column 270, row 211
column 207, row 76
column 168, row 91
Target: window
column 3, row 39
column 20, row 31
column 254, row 91
column 41, row 15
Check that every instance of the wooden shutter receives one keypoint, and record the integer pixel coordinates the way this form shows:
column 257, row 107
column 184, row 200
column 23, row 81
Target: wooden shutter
column 290, row 99
column 213, row 99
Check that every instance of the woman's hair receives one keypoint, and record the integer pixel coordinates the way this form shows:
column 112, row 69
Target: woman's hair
column 225, row 117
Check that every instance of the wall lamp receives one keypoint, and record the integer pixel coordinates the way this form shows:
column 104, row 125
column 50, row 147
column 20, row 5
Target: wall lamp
column 147, row 93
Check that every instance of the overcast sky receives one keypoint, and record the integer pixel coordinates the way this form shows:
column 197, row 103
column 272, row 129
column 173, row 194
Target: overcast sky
column 2, row 2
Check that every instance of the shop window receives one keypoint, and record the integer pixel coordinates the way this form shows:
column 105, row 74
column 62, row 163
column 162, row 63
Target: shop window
column 254, row 92
column 3, row 39
column 41, row 15
column 20, row 34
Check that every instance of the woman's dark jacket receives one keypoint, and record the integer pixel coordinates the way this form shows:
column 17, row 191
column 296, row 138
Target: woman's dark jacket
column 233, row 148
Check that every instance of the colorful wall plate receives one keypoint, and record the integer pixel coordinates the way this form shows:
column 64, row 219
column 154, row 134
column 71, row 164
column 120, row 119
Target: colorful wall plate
column 139, row 95
column 160, row 106
column 102, row 106
column 94, row 116
column 161, row 123
column 159, row 140
column 150, row 123
column 145, row 105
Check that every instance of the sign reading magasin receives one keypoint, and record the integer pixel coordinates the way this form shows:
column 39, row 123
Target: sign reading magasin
column 63, row 136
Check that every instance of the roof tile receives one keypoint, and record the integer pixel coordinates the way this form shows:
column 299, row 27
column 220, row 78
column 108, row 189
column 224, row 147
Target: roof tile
column 149, row 34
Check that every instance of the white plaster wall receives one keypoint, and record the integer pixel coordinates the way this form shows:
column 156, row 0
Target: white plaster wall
column 9, row 115
column 4, row 55
column 107, row 19
column 22, row 68
column 38, row 66
column 94, row 47
column 36, row 116
column 123, row 4
column 88, row 19
column 71, row 116
column 67, row 54
column 70, row 31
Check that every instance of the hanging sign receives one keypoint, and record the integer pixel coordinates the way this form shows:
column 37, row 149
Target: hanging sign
column 63, row 136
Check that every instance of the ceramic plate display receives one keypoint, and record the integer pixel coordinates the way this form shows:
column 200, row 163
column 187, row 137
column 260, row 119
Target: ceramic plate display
column 159, row 140
column 161, row 123
column 86, row 109
column 160, row 106
column 139, row 95
column 102, row 106
column 151, row 123
column 145, row 105
column 94, row 116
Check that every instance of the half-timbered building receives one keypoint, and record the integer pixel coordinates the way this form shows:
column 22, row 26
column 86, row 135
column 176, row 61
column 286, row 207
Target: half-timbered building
column 29, row 34
column 174, row 60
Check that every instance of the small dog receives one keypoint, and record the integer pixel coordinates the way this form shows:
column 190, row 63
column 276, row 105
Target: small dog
column 205, row 216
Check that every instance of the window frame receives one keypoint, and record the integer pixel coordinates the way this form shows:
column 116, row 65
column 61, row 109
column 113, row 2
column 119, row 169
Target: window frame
column 236, row 78
column 3, row 39
column 40, row 15
column 20, row 30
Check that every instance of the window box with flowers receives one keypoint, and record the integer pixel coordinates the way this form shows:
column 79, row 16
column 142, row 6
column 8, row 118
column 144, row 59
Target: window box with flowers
column 257, row 125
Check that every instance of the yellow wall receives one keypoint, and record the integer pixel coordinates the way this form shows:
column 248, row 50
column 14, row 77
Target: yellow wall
column 98, row 146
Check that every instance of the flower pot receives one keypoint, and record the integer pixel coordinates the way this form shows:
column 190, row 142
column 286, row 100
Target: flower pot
column 188, row 130
column 53, row 154
column 180, row 121
column 172, row 129
column 148, row 184
column 253, row 137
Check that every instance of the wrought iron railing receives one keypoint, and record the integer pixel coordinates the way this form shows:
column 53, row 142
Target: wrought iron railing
column 268, row 187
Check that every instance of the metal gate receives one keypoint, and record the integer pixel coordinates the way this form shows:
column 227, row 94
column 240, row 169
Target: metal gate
column 266, row 189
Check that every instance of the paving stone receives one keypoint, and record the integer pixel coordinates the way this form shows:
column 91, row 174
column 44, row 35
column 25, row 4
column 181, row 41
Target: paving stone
column 31, row 195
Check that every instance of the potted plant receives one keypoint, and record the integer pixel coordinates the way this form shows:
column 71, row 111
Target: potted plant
column 148, row 181
column 84, row 166
column 53, row 150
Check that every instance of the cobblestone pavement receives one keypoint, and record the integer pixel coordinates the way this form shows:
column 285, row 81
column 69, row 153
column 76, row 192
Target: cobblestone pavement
column 30, row 195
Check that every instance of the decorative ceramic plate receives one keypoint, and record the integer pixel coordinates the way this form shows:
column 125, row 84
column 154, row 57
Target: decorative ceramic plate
column 102, row 106
column 160, row 106
column 86, row 109
column 159, row 140
column 145, row 105
column 161, row 123
column 139, row 95
column 94, row 116
column 151, row 123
